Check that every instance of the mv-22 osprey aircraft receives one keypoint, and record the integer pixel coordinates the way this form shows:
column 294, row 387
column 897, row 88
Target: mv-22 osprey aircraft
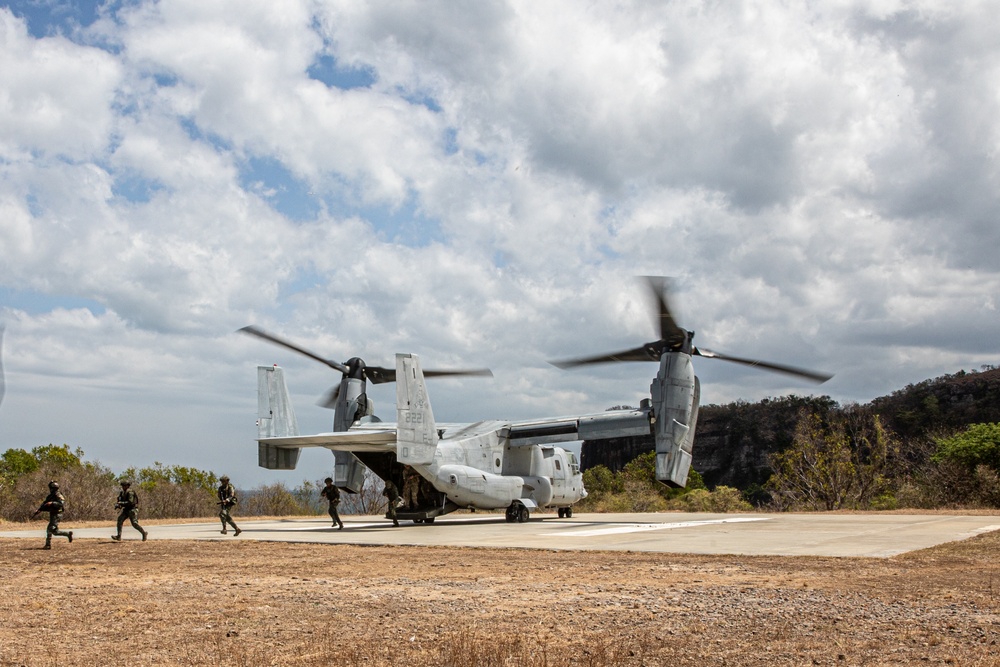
column 489, row 465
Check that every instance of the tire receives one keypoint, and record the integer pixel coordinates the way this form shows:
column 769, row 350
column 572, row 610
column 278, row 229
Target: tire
column 522, row 514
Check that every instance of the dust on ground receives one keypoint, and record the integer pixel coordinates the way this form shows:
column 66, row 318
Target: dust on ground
column 255, row 603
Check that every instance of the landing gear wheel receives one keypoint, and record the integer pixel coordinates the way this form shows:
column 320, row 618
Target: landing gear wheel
column 429, row 519
column 569, row 512
column 522, row 514
column 562, row 512
column 511, row 514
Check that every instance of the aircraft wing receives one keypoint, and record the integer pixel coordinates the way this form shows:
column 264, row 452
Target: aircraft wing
column 597, row 426
column 360, row 440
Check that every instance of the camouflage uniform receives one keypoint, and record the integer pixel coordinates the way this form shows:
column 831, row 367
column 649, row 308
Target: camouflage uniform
column 411, row 488
column 332, row 494
column 54, row 504
column 392, row 495
column 128, row 503
column 227, row 498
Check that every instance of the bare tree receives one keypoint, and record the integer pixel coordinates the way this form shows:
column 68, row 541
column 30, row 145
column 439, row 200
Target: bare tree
column 833, row 463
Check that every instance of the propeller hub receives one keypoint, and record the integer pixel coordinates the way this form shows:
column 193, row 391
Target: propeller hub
column 355, row 368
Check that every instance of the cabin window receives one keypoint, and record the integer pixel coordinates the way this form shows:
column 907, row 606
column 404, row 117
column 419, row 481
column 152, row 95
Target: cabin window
column 558, row 464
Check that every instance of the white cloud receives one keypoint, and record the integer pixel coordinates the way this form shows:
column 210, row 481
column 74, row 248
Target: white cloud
column 56, row 97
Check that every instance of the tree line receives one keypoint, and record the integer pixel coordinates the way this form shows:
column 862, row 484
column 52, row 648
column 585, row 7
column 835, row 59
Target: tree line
column 837, row 458
column 166, row 492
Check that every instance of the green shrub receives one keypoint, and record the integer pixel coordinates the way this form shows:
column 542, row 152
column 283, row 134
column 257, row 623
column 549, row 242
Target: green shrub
column 977, row 445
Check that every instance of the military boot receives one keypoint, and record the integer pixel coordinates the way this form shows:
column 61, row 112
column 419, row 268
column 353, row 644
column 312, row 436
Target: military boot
column 116, row 538
column 145, row 534
column 70, row 537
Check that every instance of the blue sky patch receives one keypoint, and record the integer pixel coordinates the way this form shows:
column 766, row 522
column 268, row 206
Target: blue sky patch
column 327, row 70
column 36, row 303
column 293, row 198
column 270, row 180
column 450, row 141
column 195, row 133
column 404, row 224
column 46, row 18
column 134, row 188
column 419, row 98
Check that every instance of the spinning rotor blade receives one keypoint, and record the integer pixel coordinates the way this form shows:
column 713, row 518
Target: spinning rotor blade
column 329, row 399
column 675, row 338
column 669, row 331
column 644, row 353
column 378, row 375
column 260, row 333
column 671, row 335
column 373, row 374
column 815, row 376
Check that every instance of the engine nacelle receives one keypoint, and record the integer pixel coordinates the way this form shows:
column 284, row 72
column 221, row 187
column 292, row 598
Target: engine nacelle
column 675, row 393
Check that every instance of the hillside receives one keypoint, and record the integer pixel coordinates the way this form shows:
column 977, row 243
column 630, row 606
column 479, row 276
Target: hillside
column 733, row 441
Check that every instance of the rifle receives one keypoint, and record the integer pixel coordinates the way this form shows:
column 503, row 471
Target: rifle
column 50, row 506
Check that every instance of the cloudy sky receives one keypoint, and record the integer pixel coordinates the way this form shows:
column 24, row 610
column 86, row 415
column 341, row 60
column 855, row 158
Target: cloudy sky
column 479, row 183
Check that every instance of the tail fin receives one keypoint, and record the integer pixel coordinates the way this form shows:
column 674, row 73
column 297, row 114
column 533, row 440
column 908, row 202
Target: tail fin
column 275, row 418
column 416, row 433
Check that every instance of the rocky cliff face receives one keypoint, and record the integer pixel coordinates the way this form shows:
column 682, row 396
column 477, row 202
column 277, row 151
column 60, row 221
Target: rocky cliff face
column 733, row 442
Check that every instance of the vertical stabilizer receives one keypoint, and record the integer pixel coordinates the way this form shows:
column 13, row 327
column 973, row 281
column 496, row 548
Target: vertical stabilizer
column 416, row 434
column 275, row 418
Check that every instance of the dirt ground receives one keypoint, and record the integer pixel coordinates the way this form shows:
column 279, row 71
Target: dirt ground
column 251, row 603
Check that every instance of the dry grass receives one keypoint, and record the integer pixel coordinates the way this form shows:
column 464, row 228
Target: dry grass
column 252, row 603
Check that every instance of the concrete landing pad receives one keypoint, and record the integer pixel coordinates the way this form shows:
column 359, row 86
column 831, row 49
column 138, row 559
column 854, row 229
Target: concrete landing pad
column 848, row 535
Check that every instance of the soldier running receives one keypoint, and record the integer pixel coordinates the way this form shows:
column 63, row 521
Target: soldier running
column 128, row 503
column 332, row 494
column 227, row 499
column 391, row 494
column 54, row 504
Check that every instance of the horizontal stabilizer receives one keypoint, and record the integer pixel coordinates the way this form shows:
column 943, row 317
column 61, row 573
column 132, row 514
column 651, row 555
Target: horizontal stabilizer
column 347, row 441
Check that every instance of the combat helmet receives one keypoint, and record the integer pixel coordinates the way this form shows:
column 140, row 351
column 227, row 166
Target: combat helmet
column 53, row 485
